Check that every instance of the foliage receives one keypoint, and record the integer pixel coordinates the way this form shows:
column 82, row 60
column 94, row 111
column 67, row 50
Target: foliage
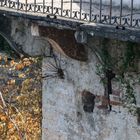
column 21, row 90
column 129, row 57
column 130, row 94
column 105, row 55
column 122, row 67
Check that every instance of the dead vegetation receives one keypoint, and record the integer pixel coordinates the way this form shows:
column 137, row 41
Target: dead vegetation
column 20, row 99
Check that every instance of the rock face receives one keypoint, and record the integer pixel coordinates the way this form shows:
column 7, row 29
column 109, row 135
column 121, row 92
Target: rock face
column 72, row 108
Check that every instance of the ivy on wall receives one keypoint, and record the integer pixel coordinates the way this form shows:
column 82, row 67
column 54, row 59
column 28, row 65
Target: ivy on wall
column 124, row 65
column 132, row 53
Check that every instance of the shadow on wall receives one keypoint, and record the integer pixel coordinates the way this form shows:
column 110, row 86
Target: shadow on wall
column 64, row 42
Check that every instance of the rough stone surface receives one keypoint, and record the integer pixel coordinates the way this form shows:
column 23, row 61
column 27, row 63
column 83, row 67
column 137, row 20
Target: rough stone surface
column 63, row 114
column 64, row 117
column 66, row 41
column 27, row 37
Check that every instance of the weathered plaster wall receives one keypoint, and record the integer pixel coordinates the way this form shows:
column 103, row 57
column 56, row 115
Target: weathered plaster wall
column 67, row 113
column 25, row 35
column 64, row 117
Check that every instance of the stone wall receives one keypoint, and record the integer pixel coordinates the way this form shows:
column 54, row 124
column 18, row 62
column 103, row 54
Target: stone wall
column 75, row 107
column 25, row 34
column 75, row 103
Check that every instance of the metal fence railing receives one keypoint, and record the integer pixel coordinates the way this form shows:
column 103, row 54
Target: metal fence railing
column 82, row 10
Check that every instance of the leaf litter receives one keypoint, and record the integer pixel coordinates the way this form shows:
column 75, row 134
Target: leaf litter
column 20, row 98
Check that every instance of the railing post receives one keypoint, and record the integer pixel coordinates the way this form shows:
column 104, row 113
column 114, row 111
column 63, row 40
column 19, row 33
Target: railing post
column 52, row 6
column 25, row 5
column 43, row 6
column 34, row 6
column 80, row 8
column 1, row 3
column 100, row 15
column 71, row 8
column 131, row 18
column 110, row 12
column 61, row 7
column 9, row 3
column 90, row 10
column 121, row 6
column 17, row 4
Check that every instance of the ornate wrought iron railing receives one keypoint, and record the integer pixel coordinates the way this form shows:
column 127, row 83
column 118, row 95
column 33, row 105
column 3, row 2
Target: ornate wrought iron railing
column 82, row 10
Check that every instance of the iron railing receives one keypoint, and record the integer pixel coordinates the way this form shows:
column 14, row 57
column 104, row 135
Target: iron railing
column 82, row 10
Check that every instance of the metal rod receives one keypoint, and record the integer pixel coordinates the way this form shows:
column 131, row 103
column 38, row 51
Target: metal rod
column 9, row 3
column 1, row 3
column 109, row 75
column 90, row 11
column 100, row 15
column 52, row 6
column 17, row 4
column 25, row 5
column 34, row 5
column 80, row 8
column 71, row 8
column 43, row 6
column 131, row 17
column 61, row 7
column 121, row 7
column 110, row 12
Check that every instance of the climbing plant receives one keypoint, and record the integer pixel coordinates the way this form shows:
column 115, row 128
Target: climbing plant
column 130, row 55
column 122, row 66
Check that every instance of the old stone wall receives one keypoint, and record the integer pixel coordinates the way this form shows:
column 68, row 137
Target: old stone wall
column 22, row 35
column 25, row 34
column 79, row 102
column 75, row 107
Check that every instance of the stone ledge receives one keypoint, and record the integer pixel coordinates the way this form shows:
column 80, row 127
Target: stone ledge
column 41, row 19
column 93, row 29
column 110, row 31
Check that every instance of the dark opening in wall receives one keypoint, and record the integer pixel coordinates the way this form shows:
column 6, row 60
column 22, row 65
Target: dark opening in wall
column 88, row 101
